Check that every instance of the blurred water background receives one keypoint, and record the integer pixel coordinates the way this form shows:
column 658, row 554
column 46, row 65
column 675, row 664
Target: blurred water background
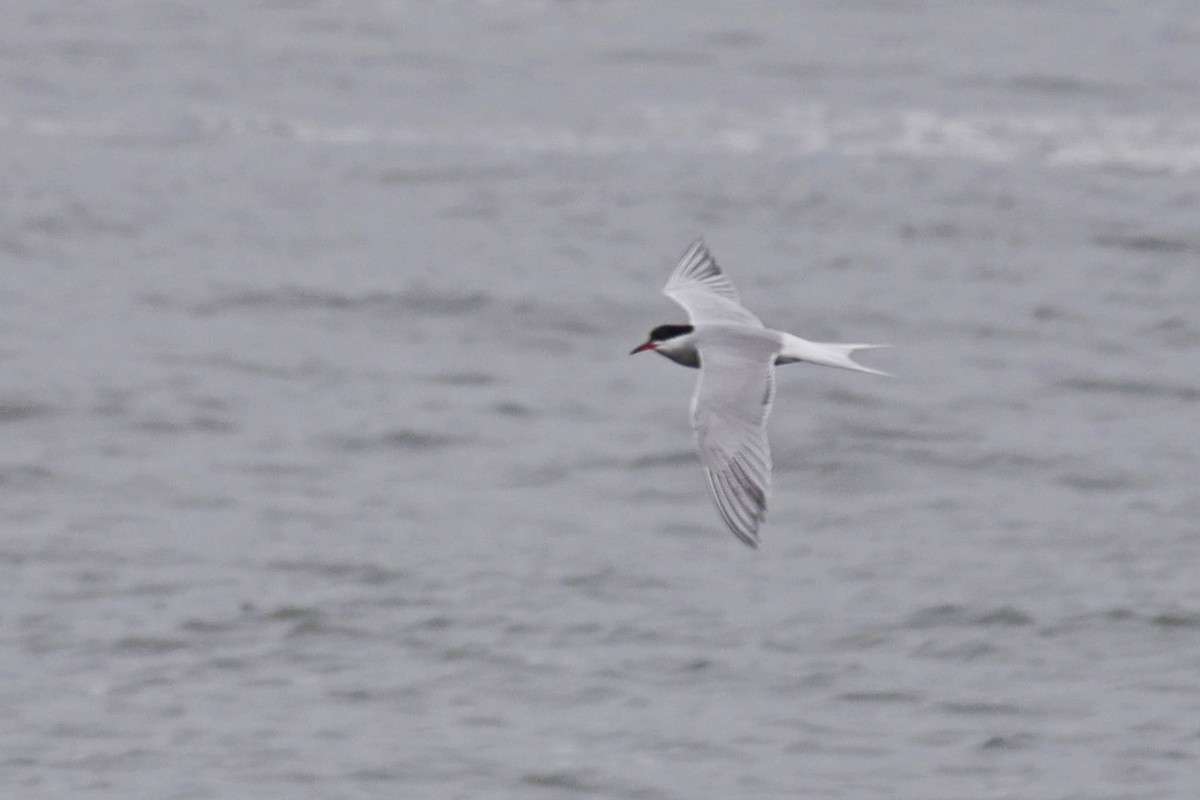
column 324, row 472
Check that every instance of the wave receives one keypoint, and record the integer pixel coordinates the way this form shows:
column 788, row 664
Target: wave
column 419, row 300
column 1166, row 143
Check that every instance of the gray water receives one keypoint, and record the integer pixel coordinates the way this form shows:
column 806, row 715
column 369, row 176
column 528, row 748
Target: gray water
column 324, row 472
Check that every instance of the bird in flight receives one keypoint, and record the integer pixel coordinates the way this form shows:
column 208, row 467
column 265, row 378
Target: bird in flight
column 736, row 355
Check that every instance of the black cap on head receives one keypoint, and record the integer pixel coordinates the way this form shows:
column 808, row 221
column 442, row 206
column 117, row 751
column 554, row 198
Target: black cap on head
column 664, row 332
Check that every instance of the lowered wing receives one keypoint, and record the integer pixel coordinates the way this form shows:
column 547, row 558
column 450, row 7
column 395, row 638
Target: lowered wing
column 729, row 414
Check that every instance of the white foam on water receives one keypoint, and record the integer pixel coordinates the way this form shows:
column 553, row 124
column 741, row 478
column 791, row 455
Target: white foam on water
column 1157, row 144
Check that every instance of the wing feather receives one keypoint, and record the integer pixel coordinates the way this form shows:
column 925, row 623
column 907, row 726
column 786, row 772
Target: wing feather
column 729, row 414
column 704, row 291
column 743, row 526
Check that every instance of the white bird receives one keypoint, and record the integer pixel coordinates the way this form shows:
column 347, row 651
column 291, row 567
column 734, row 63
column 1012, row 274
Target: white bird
column 736, row 356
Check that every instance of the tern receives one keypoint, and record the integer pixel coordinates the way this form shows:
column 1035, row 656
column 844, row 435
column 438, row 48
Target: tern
column 736, row 355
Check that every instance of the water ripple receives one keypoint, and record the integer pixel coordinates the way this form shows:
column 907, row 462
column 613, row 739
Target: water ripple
column 951, row 615
column 398, row 439
column 21, row 410
column 1132, row 387
column 422, row 300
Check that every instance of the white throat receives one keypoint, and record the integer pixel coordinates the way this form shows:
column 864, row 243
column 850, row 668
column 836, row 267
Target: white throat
column 681, row 350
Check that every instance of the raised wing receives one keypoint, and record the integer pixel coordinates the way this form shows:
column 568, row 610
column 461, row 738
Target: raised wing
column 707, row 296
column 729, row 414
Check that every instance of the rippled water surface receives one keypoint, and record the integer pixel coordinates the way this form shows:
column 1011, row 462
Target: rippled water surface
column 325, row 473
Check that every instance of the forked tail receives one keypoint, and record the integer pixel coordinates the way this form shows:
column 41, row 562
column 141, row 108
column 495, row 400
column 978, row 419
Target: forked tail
column 827, row 354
